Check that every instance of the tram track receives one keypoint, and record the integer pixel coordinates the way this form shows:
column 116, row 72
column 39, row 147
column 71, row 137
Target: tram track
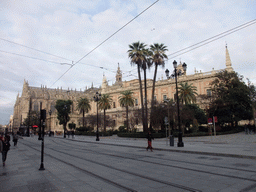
column 178, row 167
column 183, row 187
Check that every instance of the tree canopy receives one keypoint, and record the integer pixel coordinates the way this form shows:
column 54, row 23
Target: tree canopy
column 126, row 100
column 231, row 98
column 187, row 93
column 63, row 110
column 84, row 106
column 104, row 104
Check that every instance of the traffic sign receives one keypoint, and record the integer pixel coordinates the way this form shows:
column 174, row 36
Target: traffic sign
column 209, row 120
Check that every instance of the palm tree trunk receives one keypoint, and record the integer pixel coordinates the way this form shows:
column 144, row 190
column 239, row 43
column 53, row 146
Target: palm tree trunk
column 141, row 97
column 83, row 118
column 127, row 120
column 146, row 105
column 104, row 120
column 153, row 96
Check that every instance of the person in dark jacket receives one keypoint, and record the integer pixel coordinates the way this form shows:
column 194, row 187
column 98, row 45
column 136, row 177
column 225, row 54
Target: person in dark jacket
column 150, row 137
column 15, row 139
column 6, row 147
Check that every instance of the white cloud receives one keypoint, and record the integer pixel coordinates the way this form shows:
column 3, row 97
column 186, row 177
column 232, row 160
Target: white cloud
column 71, row 29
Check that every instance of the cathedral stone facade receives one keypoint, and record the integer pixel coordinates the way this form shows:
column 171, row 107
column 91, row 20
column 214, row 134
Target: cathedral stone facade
column 33, row 97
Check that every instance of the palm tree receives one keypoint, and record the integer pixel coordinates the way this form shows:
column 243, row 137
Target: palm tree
column 146, row 64
column 104, row 104
column 84, row 106
column 157, row 52
column 126, row 100
column 137, row 54
column 187, row 93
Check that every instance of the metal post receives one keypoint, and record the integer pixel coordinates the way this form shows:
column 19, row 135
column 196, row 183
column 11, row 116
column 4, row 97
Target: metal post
column 29, row 117
column 43, row 116
column 214, row 126
column 97, row 133
column 96, row 98
column 180, row 143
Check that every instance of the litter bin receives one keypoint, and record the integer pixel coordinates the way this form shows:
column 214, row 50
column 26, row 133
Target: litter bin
column 171, row 140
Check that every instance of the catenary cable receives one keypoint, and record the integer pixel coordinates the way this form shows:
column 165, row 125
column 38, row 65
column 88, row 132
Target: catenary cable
column 210, row 40
column 105, row 40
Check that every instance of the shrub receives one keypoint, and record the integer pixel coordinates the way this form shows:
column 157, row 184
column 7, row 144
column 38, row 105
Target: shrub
column 140, row 135
column 122, row 128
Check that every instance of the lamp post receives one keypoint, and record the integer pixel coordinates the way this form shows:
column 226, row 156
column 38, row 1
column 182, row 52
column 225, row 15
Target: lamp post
column 42, row 119
column 96, row 98
column 65, row 119
column 177, row 73
column 29, row 111
column 50, row 113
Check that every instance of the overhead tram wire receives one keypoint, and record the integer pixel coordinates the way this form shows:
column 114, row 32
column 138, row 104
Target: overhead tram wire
column 44, row 53
column 106, row 40
column 214, row 38
column 33, row 49
column 104, row 68
column 29, row 57
column 124, row 73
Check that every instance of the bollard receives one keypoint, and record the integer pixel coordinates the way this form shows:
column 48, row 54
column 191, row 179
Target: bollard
column 171, row 140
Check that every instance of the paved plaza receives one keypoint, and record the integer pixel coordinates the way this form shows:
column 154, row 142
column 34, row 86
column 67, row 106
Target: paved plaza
column 21, row 171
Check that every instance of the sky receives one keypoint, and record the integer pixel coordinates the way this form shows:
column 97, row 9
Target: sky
column 39, row 40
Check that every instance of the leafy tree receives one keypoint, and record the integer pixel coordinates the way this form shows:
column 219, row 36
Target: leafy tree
column 63, row 111
column 126, row 99
column 84, row 106
column 197, row 112
column 72, row 126
column 187, row 93
column 158, row 57
column 92, row 121
column 137, row 54
column 104, row 104
column 252, row 89
column 231, row 98
column 32, row 119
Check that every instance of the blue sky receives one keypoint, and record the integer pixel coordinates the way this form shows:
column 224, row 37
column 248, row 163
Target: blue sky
column 71, row 29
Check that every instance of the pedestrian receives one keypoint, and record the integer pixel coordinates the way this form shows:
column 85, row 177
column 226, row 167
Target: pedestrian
column 6, row 147
column 15, row 139
column 7, row 137
column 246, row 128
column 150, row 137
column 73, row 134
column 1, row 144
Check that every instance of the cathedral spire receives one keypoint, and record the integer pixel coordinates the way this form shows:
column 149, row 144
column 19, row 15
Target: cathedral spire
column 228, row 61
column 104, row 83
column 118, row 75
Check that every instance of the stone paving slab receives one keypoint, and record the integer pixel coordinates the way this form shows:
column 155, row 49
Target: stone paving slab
column 239, row 145
column 21, row 171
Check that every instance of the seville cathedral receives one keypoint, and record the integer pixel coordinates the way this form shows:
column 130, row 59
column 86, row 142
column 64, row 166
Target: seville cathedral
column 165, row 88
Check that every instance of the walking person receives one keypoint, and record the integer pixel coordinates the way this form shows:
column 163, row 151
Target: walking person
column 1, row 144
column 6, row 147
column 150, row 137
column 15, row 139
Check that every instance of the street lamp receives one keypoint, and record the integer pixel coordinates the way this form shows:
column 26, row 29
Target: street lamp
column 50, row 113
column 65, row 119
column 29, row 111
column 177, row 73
column 96, row 98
